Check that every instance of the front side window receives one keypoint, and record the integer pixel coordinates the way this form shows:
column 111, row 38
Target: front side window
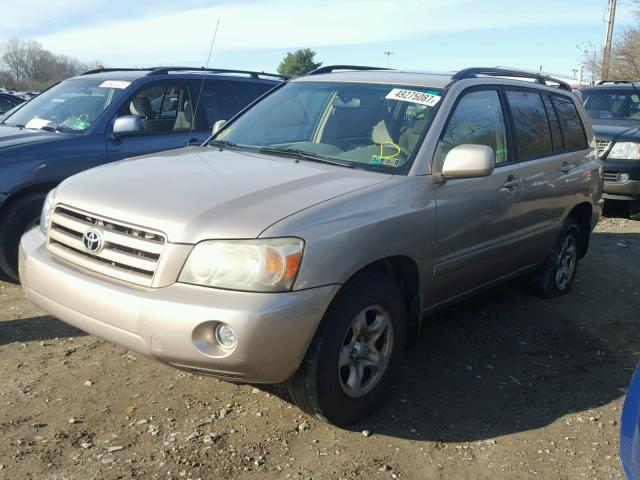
column 371, row 126
column 613, row 104
column 163, row 108
column 477, row 119
column 532, row 132
column 570, row 124
column 71, row 106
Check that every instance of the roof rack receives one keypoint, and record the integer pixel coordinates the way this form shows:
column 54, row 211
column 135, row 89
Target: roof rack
column 166, row 70
column 615, row 82
column 252, row 74
column 102, row 70
column 333, row 68
column 539, row 78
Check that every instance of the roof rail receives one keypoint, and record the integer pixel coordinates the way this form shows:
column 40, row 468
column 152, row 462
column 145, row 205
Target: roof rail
column 539, row 78
column 252, row 74
column 615, row 82
column 333, row 68
column 166, row 70
column 102, row 70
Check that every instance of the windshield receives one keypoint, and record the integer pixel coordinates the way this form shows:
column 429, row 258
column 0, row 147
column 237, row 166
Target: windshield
column 614, row 104
column 371, row 126
column 71, row 106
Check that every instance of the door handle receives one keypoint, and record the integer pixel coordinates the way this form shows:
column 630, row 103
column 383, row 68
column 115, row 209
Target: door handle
column 566, row 168
column 511, row 183
column 193, row 140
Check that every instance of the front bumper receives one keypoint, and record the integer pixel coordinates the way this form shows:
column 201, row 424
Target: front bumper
column 175, row 324
column 628, row 190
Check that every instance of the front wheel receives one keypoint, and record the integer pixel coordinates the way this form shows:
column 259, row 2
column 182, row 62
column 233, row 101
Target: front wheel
column 349, row 365
column 556, row 275
column 20, row 216
column 634, row 209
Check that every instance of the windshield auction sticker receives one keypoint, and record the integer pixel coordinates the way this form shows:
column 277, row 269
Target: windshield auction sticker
column 413, row 96
column 121, row 84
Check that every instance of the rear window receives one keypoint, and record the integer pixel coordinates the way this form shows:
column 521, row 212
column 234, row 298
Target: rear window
column 532, row 132
column 570, row 124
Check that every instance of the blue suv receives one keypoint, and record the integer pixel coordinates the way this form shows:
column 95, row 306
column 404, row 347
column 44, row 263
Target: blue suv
column 102, row 116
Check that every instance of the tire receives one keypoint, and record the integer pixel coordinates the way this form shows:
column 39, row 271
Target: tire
column 556, row 274
column 21, row 215
column 634, row 209
column 320, row 387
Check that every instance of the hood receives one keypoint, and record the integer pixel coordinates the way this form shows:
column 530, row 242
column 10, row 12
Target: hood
column 14, row 136
column 200, row 193
column 616, row 130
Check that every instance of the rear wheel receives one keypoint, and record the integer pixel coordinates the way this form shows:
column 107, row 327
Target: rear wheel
column 634, row 209
column 350, row 363
column 556, row 275
column 20, row 216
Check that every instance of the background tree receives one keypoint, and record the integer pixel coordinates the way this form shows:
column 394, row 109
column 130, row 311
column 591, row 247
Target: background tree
column 624, row 63
column 298, row 63
column 26, row 65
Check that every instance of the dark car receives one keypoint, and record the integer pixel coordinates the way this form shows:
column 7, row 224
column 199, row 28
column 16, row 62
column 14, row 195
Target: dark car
column 8, row 101
column 102, row 116
column 614, row 108
column 630, row 430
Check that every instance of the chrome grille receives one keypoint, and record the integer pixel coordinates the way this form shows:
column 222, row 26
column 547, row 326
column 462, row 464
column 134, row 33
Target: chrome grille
column 612, row 177
column 128, row 253
column 602, row 146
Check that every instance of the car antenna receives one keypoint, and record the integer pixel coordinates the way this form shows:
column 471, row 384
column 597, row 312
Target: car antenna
column 194, row 112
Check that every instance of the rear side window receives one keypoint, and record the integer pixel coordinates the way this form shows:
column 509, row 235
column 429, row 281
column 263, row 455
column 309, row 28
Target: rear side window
column 570, row 124
column 223, row 99
column 554, row 123
column 532, row 133
column 477, row 119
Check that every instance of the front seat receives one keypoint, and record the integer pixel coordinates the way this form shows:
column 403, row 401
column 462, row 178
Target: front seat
column 141, row 107
column 184, row 117
column 409, row 138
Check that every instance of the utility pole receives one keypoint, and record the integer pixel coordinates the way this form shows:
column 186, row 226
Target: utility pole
column 606, row 55
column 388, row 53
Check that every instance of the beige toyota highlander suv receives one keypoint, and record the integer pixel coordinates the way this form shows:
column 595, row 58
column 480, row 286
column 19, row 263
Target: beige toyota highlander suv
column 305, row 241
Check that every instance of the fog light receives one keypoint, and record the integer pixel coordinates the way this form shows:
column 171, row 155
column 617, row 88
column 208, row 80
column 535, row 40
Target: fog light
column 623, row 177
column 225, row 336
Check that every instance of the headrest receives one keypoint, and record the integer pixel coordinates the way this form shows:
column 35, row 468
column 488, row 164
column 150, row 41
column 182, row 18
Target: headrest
column 141, row 106
column 380, row 134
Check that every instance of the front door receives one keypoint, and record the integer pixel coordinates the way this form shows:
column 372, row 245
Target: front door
column 166, row 110
column 477, row 218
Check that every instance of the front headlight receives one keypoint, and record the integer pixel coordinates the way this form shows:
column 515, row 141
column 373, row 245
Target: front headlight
column 263, row 265
column 47, row 210
column 625, row 151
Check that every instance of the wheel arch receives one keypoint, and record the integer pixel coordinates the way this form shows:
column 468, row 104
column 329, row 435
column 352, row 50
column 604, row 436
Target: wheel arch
column 582, row 215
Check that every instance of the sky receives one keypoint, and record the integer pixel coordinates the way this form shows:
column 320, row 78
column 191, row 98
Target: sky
column 436, row 35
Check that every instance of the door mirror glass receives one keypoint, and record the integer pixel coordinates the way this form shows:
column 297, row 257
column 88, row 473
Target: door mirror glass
column 128, row 126
column 217, row 126
column 469, row 161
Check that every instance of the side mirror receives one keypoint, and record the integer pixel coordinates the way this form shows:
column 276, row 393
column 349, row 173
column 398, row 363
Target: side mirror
column 469, row 161
column 128, row 126
column 217, row 126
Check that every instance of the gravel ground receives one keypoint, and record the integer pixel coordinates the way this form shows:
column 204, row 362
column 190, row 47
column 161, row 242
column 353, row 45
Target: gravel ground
column 501, row 386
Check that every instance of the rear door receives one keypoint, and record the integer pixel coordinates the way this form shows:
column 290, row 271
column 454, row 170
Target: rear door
column 166, row 112
column 223, row 99
column 550, row 146
column 477, row 226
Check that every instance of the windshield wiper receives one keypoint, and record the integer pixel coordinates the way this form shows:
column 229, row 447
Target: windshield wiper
column 224, row 144
column 297, row 153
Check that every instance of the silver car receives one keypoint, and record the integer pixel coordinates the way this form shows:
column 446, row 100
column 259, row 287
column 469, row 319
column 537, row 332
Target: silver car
column 305, row 242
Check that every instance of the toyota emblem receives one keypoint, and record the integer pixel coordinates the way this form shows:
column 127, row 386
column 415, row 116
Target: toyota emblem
column 92, row 241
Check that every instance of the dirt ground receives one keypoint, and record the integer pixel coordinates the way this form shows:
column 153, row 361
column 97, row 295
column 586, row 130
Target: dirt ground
column 502, row 386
